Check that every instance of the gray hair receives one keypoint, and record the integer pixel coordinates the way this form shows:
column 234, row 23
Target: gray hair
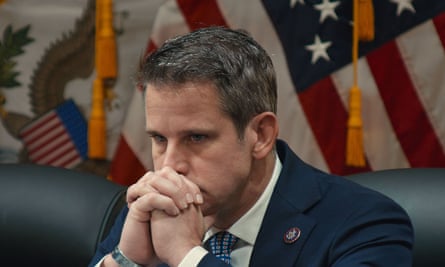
column 231, row 60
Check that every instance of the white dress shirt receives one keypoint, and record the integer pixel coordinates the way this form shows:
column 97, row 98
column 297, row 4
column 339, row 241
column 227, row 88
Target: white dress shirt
column 246, row 229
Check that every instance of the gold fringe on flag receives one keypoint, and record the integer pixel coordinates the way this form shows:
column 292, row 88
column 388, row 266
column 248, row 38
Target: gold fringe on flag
column 363, row 29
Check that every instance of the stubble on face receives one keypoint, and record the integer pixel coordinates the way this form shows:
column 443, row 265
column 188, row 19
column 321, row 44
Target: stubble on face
column 220, row 164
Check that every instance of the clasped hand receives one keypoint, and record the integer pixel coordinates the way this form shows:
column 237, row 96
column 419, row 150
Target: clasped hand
column 164, row 221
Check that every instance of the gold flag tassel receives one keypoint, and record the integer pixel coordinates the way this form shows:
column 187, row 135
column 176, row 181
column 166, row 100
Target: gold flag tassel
column 366, row 20
column 106, row 72
column 97, row 125
column 363, row 29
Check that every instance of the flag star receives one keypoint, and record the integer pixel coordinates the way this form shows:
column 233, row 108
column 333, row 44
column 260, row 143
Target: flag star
column 327, row 10
column 404, row 5
column 318, row 49
column 294, row 2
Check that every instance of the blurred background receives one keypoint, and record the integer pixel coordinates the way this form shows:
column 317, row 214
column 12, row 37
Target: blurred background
column 68, row 96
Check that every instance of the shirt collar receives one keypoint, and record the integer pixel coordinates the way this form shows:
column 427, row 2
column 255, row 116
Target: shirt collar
column 248, row 226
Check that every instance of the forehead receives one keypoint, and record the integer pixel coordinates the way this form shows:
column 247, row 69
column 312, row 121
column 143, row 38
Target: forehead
column 173, row 104
column 177, row 94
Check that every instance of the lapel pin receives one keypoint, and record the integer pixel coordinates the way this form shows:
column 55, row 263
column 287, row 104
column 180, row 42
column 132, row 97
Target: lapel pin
column 292, row 235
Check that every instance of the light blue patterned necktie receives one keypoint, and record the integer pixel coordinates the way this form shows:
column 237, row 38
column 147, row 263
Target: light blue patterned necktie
column 221, row 245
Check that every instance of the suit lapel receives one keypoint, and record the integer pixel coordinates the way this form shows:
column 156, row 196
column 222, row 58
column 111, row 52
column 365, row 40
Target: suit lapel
column 270, row 246
column 294, row 193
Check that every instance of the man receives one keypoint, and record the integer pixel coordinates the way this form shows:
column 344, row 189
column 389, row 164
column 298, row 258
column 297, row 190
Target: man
column 210, row 110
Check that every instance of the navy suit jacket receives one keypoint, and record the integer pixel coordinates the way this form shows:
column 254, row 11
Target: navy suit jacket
column 341, row 223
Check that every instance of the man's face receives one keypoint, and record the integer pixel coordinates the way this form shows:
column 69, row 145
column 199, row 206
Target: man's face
column 191, row 135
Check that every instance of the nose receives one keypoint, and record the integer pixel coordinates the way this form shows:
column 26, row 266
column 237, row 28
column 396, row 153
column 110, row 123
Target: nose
column 175, row 157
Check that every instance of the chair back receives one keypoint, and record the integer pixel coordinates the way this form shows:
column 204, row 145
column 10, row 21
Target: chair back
column 421, row 192
column 52, row 216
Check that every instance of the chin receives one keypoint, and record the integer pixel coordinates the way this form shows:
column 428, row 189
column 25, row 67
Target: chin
column 207, row 209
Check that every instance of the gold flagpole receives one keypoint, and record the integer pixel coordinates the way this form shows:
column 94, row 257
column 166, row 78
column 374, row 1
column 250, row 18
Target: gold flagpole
column 106, row 71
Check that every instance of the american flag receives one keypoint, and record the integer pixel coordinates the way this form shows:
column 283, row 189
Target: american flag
column 57, row 138
column 401, row 74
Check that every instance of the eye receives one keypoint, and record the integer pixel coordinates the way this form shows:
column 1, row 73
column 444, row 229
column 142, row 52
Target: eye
column 198, row 138
column 158, row 138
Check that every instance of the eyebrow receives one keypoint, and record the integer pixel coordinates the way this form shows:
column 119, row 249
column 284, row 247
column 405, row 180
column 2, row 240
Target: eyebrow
column 185, row 132
column 150, row 132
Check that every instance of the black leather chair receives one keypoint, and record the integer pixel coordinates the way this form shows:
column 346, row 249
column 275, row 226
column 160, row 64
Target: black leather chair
column 56, row 217
column 421, row 192
column 52, row 216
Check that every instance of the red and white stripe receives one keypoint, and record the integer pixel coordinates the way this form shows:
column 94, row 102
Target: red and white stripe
column 402, row 84
column 48, row 142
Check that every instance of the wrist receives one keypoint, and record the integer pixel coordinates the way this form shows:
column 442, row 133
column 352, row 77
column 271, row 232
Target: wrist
column 122, row 260
column 109, row 262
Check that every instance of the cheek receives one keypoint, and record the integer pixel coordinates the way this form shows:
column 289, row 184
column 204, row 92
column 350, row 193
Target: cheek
column 225, row 174
column 222, row 185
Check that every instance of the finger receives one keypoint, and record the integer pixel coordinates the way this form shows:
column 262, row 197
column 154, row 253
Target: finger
column 138, row 215
column 169, row 183
column 179, row 194
column 166, row 182
column 137, row 190
column 144, row 205
column 141, row 187
column 192, row 191
column 172, row 175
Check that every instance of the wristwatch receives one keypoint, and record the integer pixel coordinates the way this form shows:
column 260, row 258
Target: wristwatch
column 123, row 261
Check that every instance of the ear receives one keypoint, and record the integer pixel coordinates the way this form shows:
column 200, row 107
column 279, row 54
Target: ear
column 265, row 126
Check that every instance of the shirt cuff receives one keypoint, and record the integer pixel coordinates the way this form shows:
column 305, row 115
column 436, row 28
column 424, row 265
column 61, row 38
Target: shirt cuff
column 100, row 262
column 193, row 257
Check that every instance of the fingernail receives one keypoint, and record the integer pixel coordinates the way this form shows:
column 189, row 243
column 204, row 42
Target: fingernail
column 199, row 199
column 183, row 204
column 189, row 198
column 176, row 212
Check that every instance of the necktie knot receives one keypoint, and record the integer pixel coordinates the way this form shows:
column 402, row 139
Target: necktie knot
column 221, row 245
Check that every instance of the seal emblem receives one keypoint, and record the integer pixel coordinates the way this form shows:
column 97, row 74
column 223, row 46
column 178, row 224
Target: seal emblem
column 292, row 235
